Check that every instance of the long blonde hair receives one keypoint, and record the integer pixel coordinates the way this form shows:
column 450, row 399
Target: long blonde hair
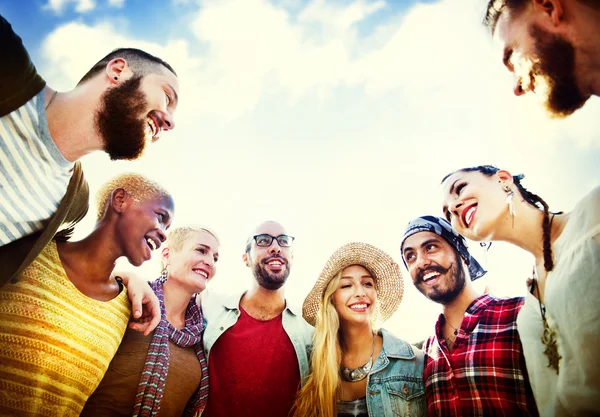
column 321, row 391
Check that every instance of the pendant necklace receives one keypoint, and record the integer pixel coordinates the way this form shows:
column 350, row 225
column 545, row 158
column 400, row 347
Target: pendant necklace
column 549, row 335
column 455, row 328
column 360, row 373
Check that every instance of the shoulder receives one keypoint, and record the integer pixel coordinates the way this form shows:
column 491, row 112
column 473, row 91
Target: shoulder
column 503, row 309
column 213, row 302
column 398, row 348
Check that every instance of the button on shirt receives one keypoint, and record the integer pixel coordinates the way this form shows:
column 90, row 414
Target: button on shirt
column 485, row 373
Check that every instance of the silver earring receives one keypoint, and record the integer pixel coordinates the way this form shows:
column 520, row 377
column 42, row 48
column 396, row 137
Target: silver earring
column 164, row 274
column 509, row 200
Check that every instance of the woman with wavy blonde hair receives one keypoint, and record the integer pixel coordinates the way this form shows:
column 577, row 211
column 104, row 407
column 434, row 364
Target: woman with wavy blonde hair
column 350, row 357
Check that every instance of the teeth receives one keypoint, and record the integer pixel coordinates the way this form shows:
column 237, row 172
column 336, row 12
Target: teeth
column 201, row 272
column 153, row 128
column 276, row 263
column 469, row 215
column 358, row 306
column 151, row 243
column 430, row 275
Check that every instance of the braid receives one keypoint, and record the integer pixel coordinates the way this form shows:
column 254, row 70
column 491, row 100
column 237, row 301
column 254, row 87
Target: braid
column 537, row 201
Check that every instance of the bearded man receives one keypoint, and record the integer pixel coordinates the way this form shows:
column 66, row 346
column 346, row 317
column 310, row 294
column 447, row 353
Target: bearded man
column 126, row 100
column 256, row 343
column 552, row 47
column 474, row 363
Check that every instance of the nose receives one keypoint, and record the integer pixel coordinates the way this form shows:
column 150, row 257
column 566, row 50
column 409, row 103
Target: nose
column 454, row 206
column 168, row 121
column 161, row 235
column 209, row 261
column 275, row 248
column 360, row 292
column 518, row 87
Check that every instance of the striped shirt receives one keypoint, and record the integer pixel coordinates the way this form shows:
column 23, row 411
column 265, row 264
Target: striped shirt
column 484, row 374
column 34, row 175
column 55, row 342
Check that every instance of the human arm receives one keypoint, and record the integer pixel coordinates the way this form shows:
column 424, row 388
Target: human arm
column 145, row 308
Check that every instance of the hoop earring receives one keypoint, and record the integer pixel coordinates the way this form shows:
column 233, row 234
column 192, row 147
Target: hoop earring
column 509, row 200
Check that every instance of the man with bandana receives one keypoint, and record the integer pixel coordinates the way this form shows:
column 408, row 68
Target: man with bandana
column 126, row 100
column 552, row 47
column 256, row 343
column 474, row 364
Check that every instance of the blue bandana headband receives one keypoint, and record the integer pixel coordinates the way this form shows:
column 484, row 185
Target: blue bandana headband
column 441, row 227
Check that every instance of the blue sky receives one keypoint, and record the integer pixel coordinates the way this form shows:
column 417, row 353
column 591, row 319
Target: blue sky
column 336, row 118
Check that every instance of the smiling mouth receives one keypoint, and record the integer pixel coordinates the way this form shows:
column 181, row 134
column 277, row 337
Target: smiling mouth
column 201, row 272
column 152, row 244
column 468, row 214
column 361, row 306
column 155, row 130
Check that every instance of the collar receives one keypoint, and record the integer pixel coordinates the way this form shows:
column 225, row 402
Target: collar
column 396, row 348
column 232, row 302
column 471, row 316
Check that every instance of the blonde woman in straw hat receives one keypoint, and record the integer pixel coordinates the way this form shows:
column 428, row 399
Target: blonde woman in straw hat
column 358, row 370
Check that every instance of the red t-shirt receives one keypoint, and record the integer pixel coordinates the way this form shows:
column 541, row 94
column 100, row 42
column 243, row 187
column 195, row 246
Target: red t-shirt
column 253, row 370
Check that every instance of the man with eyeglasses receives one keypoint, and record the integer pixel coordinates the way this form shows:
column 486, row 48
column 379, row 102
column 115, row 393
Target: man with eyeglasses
column 256, row 343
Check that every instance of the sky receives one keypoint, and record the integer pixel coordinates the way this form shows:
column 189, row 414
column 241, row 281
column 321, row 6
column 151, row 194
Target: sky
column 336, row 118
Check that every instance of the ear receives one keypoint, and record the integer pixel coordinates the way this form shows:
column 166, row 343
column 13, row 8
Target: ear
column 165, row 255
column 245, row 259
column 120, row 200
column 552, row 9
column 504, row 176
column 117, row 70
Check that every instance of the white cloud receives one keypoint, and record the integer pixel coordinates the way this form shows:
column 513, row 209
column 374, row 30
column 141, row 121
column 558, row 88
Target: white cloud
column 292, row 113
column 81, row 6
column 116, row 3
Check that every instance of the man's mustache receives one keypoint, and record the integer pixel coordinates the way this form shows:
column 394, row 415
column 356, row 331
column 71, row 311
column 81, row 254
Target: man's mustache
column 432, row 268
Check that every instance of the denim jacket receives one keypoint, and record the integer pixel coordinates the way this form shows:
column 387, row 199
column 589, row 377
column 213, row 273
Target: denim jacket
column 222, row 312
column 395, row 384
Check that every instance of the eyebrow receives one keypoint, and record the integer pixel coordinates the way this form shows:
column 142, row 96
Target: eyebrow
column 362, row 276
column 427, row 242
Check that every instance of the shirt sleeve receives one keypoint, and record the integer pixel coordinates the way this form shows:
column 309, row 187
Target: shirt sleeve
column 19, row 80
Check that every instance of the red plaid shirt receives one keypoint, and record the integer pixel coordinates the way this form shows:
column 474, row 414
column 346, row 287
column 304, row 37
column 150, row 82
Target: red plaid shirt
column 485, row 373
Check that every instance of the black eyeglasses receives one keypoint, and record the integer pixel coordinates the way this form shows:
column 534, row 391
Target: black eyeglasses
column 265, row 240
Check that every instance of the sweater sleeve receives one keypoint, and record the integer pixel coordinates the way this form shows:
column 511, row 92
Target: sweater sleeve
column 19, row 80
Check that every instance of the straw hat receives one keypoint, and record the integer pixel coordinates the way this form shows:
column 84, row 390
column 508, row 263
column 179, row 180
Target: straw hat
column 385, row 272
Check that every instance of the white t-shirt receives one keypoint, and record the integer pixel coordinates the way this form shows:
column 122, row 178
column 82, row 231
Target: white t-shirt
column 34, row 175
column 572, row 300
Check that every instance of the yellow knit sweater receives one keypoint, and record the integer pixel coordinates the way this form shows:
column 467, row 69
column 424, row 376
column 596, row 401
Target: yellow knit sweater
column 55, row 342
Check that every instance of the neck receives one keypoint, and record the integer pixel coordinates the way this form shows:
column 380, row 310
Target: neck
column 355, row 339
column 261, row 299
column 176, row 302
column 455, row 310
column 93, row 257
column 528, row 230
column 71, row 121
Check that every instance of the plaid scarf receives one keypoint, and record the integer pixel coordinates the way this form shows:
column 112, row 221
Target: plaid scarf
column 152, row 382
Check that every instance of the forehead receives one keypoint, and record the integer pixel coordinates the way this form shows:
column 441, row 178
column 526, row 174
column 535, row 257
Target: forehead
column 202, row 237
column 355, row 270
column 270, row 228
column 418, row 239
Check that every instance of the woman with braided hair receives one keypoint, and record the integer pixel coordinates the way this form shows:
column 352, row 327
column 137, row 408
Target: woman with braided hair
column 559, row 323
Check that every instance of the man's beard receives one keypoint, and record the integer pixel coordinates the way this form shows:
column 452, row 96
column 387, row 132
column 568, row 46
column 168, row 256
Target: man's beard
column 456, row 283
column 120, row 122
column 271, row 281
column 555, row 63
